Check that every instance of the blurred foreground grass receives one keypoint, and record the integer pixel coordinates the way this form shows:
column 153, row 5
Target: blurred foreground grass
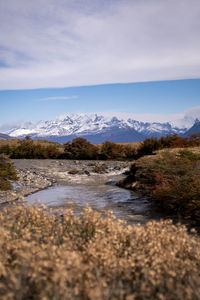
column 61, row 256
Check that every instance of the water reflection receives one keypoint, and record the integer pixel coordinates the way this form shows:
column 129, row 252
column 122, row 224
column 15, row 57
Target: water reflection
column 100, row 196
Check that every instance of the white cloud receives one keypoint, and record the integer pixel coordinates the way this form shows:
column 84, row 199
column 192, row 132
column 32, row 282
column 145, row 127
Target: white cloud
column 58, row 98
column 183, row 119
column 49, row 43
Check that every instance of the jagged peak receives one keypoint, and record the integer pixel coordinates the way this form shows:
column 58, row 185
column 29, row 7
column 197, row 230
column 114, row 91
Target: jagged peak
column 69, row 124
column 196, row 121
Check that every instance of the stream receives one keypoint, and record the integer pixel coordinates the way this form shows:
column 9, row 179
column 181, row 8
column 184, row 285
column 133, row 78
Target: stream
column 100, row 193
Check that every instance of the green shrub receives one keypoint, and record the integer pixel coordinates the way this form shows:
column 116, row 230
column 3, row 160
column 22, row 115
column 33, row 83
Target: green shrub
column 7, row 172
column 80, row 148
column 149, row 146
column 111, row 151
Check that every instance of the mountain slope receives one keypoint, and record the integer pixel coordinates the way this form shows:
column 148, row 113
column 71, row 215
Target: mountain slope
column 96, row 127
column 4, row 136
column 194, row 129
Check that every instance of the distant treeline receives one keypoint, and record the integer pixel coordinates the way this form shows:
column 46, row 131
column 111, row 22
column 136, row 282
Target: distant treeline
column 80, row 148
column 28, row 149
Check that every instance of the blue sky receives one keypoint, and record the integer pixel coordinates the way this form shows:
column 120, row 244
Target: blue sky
column 139, row 56
column 162, row 97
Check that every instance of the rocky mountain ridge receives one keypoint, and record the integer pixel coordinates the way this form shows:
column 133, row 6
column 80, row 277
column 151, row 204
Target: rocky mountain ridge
column 98, row 128
column 4, row 136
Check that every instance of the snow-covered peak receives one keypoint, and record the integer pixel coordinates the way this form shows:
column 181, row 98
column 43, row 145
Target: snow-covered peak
column 82, row 124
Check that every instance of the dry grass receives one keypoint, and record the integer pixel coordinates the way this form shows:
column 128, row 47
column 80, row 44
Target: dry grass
column 16, row 142
column 195, row 150
column 47, row 256
column 134, row 145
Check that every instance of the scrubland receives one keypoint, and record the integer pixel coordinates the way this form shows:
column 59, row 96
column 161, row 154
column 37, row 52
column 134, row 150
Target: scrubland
column 79, row 149
column 55, row 255
column 45, row 255
column 171, row 178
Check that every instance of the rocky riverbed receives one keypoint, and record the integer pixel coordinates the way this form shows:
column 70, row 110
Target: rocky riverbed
column 35, row 175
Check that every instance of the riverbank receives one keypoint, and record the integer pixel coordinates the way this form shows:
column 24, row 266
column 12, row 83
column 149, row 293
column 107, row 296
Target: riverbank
column 38, row 174
column 171, row 179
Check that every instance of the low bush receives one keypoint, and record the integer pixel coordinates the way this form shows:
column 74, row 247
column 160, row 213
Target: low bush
column 80, row 148
column 149, row 146
column 111, row 151
column 177, row 182
column 61, row 256
column 7, row 173
column 171, row 179
column 115, row 151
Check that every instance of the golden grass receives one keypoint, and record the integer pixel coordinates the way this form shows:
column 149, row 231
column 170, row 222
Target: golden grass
column 53, row 256
column 194, row 149
column 131, row 144
column 134, row 145
column 16, row 142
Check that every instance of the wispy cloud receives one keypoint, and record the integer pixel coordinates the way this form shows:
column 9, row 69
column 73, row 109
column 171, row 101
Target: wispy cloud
column 60, row 43
column 59, row 98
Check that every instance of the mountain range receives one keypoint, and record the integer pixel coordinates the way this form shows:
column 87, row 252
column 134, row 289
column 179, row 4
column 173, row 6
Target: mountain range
column 4, row 136
column 99, row 127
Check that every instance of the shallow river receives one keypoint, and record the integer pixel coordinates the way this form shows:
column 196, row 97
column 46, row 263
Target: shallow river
column 99, row 192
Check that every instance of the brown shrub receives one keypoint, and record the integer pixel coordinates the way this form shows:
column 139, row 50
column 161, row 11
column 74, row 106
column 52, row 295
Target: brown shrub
column 171, row 179
column 80, row 148
column 149, row 146
column 53, row 256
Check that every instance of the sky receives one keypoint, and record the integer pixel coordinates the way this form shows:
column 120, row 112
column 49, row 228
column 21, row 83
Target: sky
column 138, row 56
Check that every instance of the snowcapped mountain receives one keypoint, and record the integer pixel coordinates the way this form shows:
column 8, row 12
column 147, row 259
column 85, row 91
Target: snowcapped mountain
column 96, row 127
column 4, row 136
column 194, row 129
